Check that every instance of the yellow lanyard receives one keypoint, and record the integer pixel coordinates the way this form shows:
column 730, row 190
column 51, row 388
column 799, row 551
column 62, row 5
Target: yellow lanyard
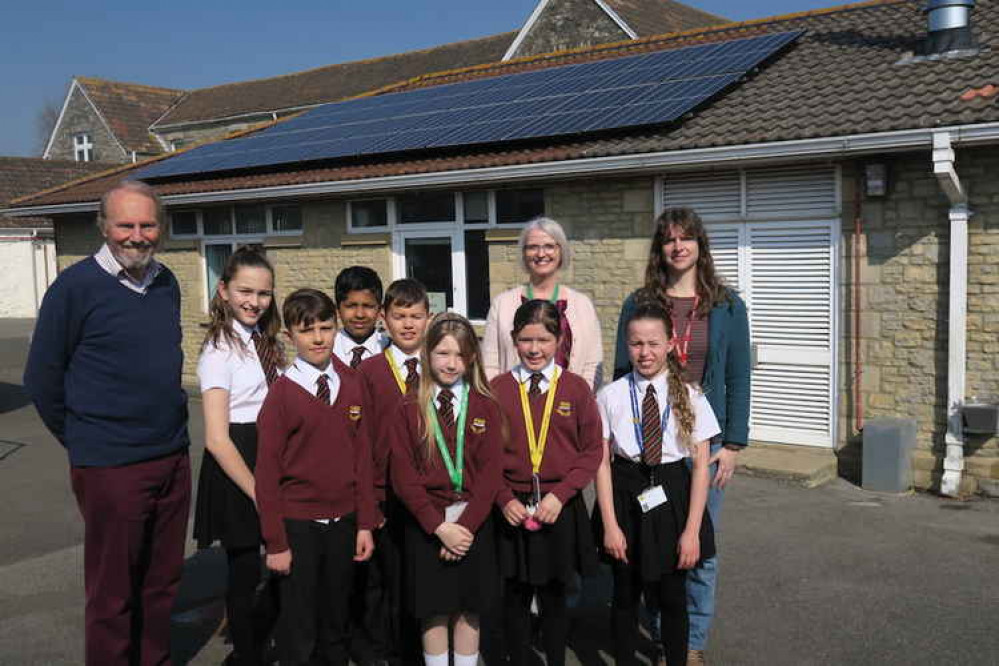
column 536, row 443
column 395, row 370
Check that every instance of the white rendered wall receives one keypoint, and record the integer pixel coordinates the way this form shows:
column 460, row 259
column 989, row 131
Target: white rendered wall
column 26, row 270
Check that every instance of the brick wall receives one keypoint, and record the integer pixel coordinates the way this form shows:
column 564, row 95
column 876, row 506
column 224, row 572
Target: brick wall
column 81, row 118
column 566, row 24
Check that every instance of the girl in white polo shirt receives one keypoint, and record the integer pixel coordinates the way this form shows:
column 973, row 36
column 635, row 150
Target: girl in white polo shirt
column 651, row 518
column 240, row 359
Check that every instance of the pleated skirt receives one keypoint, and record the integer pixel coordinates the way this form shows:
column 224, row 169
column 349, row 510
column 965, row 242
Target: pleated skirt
column 224, row 513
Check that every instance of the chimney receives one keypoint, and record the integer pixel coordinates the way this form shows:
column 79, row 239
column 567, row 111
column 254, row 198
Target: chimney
column 949, row 28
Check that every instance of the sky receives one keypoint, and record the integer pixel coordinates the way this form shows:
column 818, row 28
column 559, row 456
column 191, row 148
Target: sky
column 188, row 44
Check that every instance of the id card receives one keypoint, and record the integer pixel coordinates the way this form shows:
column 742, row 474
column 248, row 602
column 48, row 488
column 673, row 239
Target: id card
column 453, row 512
column 652, row 497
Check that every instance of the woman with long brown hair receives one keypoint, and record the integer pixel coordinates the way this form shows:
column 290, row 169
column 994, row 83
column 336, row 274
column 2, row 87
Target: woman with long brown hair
column 711, row 329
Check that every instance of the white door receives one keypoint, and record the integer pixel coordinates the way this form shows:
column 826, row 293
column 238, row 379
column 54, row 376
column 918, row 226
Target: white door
column 784, row 268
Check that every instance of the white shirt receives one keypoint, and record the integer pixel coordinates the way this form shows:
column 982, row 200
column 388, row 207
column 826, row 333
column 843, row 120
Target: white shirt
column 237, row 371
column 343, row 346
column 106, row 259
column 456, row 389
column 615, row 405
column 400, row 357
column 523, row 375
column 306, row 375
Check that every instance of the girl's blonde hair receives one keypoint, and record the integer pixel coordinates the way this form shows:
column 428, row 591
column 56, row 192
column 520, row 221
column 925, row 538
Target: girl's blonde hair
column 649, row 307
column 220, row 314
column 459, row 328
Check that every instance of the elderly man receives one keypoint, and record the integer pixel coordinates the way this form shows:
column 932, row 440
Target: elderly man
column 104, row 372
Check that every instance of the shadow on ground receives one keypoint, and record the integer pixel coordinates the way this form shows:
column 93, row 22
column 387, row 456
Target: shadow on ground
column 199, row 608
column 12, row 397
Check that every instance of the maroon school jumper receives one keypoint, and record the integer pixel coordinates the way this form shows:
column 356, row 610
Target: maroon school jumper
column 574, row 447
column 425, row 487
column 385, row 400
column 313, row 460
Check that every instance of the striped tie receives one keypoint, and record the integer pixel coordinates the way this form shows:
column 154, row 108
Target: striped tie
column 445, row 410
column 412, row 376
column 267, row 355
column 323, row 389
column 652, row 434
column 535, row 388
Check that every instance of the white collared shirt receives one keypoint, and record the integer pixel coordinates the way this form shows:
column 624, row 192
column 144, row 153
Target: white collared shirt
column 306, row 375
column 106, row 260
column 343, row 345
column 615, row 405
column 456, row 390
column 523, row 375
column 400, row 357
column 238, row 371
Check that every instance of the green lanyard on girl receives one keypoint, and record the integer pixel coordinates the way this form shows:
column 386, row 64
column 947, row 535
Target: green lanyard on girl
column 455, row 466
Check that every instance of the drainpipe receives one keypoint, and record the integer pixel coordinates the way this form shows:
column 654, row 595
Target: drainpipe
column 943, row 169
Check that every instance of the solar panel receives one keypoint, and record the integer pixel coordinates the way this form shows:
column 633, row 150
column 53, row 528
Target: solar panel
column 631, row 91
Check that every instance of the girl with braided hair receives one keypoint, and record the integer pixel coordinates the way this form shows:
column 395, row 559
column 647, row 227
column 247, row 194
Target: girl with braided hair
column 651, row 518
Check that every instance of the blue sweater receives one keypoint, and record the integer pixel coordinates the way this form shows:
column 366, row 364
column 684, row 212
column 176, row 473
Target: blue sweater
column 104, row 367
column 726, row 370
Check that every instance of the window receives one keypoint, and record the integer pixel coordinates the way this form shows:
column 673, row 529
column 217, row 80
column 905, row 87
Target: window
column 240, row 220
column 251, row 219
column 370, row 214
column 519, row 206
column 184, row 223
column 476, row 207
column 286, row 218
column 424, row 207
column 83, row 148
column 217, row 221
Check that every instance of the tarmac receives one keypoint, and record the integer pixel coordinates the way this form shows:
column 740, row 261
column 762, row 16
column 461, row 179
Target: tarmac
column 828, row 575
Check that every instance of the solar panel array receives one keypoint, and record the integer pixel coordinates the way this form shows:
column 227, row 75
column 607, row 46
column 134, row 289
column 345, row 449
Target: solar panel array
column 632, row 91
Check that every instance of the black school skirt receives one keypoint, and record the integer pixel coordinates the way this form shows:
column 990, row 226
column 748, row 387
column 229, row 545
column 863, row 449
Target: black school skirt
column 556, row 552
column 653, row 537
column 432, row 586
column 223, row 512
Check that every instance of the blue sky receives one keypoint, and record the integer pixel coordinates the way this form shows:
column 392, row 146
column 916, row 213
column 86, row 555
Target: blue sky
column 187, row 44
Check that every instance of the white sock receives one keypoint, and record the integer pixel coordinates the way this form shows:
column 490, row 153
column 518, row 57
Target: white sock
column 435, row 659
column 466, row 659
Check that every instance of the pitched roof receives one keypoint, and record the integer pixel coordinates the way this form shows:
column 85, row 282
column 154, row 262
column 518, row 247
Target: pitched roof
column 332, row 82
column 129, row 109
column 20, row 176
column 657, row 17
column 843, row 77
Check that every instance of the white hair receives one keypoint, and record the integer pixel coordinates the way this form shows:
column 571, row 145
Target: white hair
column 135, row 186
column 553, row 229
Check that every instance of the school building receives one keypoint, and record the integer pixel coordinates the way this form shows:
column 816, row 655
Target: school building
column 847, row 177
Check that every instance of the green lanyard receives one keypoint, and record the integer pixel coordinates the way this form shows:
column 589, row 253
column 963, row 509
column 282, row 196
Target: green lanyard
column 530, row 293
column 455, row 467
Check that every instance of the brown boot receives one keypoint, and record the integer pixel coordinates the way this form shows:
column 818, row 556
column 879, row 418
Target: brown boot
column 696, row 658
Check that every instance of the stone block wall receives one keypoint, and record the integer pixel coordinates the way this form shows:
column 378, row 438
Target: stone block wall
column 80, row 117
column 566, row 24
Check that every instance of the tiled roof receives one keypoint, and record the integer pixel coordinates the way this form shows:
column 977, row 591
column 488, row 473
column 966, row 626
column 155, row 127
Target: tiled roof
column 842, row 77
column 20, row 176
column 333, row 82
column 657, row 17
column 130, row 108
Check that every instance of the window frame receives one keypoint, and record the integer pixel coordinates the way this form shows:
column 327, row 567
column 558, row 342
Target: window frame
column 269, row 231
column 83, row 142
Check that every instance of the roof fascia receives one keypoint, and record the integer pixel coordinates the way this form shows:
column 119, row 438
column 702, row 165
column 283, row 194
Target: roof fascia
column 65, row 103
column 107, row 126
column 522, row 35
column 802, row 149
column 617, row 19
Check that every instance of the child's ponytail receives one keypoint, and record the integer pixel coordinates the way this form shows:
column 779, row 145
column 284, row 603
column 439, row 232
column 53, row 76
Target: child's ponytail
column 679, row 400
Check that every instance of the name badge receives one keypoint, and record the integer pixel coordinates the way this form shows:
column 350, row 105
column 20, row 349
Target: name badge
column 652, row 497
column 453, row 512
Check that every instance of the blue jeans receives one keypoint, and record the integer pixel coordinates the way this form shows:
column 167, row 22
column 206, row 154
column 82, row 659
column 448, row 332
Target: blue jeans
column 700, row 581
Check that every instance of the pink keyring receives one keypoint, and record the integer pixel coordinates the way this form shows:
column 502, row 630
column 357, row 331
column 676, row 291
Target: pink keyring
column 531, row 524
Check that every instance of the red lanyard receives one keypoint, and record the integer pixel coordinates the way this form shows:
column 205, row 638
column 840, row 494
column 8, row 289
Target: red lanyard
column 683, row 341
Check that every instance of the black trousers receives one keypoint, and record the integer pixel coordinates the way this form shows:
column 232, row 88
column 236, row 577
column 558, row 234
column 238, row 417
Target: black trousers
column 315, row 599
column 240, row 605
column 554, row 621
column 376, row 607
column 669, row 595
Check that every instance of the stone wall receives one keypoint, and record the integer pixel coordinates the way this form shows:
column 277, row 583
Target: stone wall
column 903, row 300
column 190, row 135
column 567, row 24
column 81, row 118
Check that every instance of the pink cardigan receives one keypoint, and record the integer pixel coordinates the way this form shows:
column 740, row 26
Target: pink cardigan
column 499, row 354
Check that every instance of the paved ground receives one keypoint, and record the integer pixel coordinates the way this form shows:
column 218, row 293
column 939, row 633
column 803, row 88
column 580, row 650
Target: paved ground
column 833, row 575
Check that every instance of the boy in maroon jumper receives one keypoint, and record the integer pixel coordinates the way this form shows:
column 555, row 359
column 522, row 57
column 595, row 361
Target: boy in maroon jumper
column 314, row 485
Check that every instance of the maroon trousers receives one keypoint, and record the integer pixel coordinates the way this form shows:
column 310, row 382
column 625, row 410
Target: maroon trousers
column 136, row 525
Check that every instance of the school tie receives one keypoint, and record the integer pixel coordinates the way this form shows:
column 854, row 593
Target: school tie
column 323, row 389
column 412, row 376
column 355, row 360
column 267, row 356
column 652, row 434
column 535, row 388
column 445, row 410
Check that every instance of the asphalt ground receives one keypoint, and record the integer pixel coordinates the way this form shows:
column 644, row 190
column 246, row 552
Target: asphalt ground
column 833, row 575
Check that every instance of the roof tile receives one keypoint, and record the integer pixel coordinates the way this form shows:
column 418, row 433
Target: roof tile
column 130, row 108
